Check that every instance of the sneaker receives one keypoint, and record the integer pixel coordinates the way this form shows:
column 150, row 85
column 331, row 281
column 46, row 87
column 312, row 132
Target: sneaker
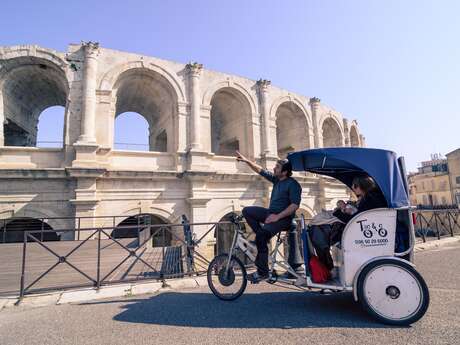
column 256, row 277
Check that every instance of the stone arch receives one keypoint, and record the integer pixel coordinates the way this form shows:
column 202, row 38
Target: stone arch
column 306, row 210
column 32, row 52
column 150, row 94
column 224, row 236
column 134, row 209
column 231, row 122
column 55, row 220
column 108, row 81
column 29, row 84
column 290, row 137
column 137, row 225
column 211, row 91
column 354, row 136
column 332, row 133
column 13, row 230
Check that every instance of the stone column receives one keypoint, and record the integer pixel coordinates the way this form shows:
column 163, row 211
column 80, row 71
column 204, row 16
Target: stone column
column 346, row 132
column 88, row 122
column 194, row 71
column 362, row 140
column 263, row 86
column 314, row 104
column 2, row 122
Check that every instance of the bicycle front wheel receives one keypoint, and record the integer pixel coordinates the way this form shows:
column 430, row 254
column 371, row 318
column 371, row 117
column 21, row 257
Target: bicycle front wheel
column 229, row 284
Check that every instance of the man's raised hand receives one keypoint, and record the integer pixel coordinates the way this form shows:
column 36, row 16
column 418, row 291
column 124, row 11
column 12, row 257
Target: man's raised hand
column 240, row 157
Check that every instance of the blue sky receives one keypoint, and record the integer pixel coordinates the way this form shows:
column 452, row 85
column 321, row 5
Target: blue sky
column 392, row 65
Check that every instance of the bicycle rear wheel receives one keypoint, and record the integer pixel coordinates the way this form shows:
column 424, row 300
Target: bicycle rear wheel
column 227, row 285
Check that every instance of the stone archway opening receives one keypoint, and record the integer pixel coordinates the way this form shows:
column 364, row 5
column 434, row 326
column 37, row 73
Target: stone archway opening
column 224, row 236
column 354, row 137
column 131, row 132
column 292, row 132
column 138, row 227
column 12, row 230
column 28, row 86
column 230, row 123
column 151, row 96
column 332, row 136
column 51, row 127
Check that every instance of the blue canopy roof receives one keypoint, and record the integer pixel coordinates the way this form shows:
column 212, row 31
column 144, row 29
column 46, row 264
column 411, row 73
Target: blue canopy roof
column 344, row 163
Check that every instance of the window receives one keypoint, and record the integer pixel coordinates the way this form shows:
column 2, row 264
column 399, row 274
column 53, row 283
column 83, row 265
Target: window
column 457, row 180
column 457, row 196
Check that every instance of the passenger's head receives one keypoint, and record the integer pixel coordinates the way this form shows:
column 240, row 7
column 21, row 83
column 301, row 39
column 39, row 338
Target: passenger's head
column 283, row 168
column 362, row 185
column 341, row 204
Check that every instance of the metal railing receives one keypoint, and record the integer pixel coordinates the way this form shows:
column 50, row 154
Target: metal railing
column 437, row 223
column 180, row 258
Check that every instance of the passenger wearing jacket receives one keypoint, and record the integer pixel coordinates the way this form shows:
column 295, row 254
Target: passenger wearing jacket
column 369, row 197
column 323, row 236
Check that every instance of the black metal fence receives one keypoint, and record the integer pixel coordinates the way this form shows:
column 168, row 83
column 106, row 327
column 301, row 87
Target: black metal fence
column 99, row 258
column 437, row 223
column 96, row 257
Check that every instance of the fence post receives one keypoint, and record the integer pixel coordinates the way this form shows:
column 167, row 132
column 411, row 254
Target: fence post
column 78, row 228
column 98, row 275
column 4, row 231
column 23, row 269
column 437, row 227
column 43, row 225
column 421, row 226
column 450, row 224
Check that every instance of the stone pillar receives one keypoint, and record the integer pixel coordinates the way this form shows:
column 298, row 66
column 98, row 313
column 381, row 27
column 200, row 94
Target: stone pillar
column 346, row 132
column 198, row 202
column 263, row 86
column 88, row 120
column 86, row 146
column 314, row 104
column 194, row 72
column 2, row 122
column 362, row 140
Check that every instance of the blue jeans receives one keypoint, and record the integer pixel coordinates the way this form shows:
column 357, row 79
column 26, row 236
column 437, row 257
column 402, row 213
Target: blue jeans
column 256, row 215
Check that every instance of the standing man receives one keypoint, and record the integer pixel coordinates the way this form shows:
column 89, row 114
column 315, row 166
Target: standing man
column 284, row 201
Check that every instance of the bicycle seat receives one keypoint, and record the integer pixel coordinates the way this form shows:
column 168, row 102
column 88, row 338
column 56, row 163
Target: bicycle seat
column 292, row 226
column 234, row 218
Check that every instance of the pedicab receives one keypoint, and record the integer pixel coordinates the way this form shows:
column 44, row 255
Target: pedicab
column 373, row 260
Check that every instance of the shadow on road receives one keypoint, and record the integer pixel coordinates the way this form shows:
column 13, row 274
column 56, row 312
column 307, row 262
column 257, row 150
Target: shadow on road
column 263, row 310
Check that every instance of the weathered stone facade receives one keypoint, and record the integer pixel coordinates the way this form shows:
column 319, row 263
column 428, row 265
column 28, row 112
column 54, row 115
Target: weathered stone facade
column 196, row 118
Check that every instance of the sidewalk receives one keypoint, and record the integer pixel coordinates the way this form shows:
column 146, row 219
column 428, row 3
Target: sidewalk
column 140, row 288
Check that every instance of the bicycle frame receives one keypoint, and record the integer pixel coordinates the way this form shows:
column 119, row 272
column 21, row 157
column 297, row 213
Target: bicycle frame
column 250, row 250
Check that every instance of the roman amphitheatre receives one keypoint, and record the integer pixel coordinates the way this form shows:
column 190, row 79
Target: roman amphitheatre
column 196, row 119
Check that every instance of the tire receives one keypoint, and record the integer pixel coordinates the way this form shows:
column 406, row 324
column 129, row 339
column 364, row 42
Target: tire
column 400, row 300
column 236, row 278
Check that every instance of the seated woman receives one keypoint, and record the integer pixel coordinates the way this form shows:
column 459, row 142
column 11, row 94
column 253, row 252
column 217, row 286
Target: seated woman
column 322, row 236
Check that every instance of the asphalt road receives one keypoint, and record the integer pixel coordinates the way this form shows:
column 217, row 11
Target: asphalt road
column 263, row 315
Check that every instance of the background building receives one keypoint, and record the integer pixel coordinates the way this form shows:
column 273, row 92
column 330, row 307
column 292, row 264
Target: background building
column 453, row 161
column 435, row 183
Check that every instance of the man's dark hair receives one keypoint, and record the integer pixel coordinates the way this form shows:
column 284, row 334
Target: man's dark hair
column 365, row 183
column 285, row 166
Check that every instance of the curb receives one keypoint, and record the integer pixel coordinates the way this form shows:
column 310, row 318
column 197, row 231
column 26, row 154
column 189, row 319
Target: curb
column 91, row 294
column 419, row 247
